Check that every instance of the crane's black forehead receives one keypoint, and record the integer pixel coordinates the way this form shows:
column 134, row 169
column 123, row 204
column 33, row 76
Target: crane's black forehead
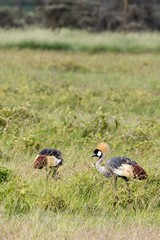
column 50, row 152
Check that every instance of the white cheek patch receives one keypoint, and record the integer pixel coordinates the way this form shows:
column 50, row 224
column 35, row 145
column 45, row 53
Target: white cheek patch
column 99, row 153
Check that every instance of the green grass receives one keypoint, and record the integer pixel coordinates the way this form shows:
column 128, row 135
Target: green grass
column 73, row 100
column 68, row 40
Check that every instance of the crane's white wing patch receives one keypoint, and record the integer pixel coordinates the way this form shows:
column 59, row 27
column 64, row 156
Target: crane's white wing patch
column 53, row 161
column 124, row 170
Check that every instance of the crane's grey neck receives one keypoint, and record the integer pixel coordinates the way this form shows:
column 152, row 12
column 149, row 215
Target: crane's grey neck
column 102, row 169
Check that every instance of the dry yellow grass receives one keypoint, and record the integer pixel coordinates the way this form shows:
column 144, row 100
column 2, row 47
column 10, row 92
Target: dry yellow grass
column 64, row 227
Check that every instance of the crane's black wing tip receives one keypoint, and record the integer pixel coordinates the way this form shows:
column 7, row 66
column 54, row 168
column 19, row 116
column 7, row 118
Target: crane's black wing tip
column 50, row 152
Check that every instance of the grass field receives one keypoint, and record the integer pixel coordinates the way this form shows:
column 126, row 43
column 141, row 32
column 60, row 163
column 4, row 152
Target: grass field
column 72, row 100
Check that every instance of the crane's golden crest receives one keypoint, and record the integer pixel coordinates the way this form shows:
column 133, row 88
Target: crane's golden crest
column 103, row 147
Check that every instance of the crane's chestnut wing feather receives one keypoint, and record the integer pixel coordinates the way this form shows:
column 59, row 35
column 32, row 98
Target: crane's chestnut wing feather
column 139, row 172
column 40, row 161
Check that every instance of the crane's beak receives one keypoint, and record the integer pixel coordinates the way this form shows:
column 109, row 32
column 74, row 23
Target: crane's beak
column 94, row 155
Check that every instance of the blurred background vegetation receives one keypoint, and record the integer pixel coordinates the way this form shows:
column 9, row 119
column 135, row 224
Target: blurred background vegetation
column 101, row 15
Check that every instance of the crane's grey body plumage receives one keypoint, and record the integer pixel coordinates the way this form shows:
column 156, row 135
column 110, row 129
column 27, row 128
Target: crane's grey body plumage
column 123, row 167
column 116, row 162
column 51, row 152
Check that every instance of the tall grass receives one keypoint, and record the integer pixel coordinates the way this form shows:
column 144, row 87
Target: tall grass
column 67, row 40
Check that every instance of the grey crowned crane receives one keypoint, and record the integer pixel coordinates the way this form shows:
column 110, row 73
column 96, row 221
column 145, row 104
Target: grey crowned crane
column 50, row 159
column 123, row 167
